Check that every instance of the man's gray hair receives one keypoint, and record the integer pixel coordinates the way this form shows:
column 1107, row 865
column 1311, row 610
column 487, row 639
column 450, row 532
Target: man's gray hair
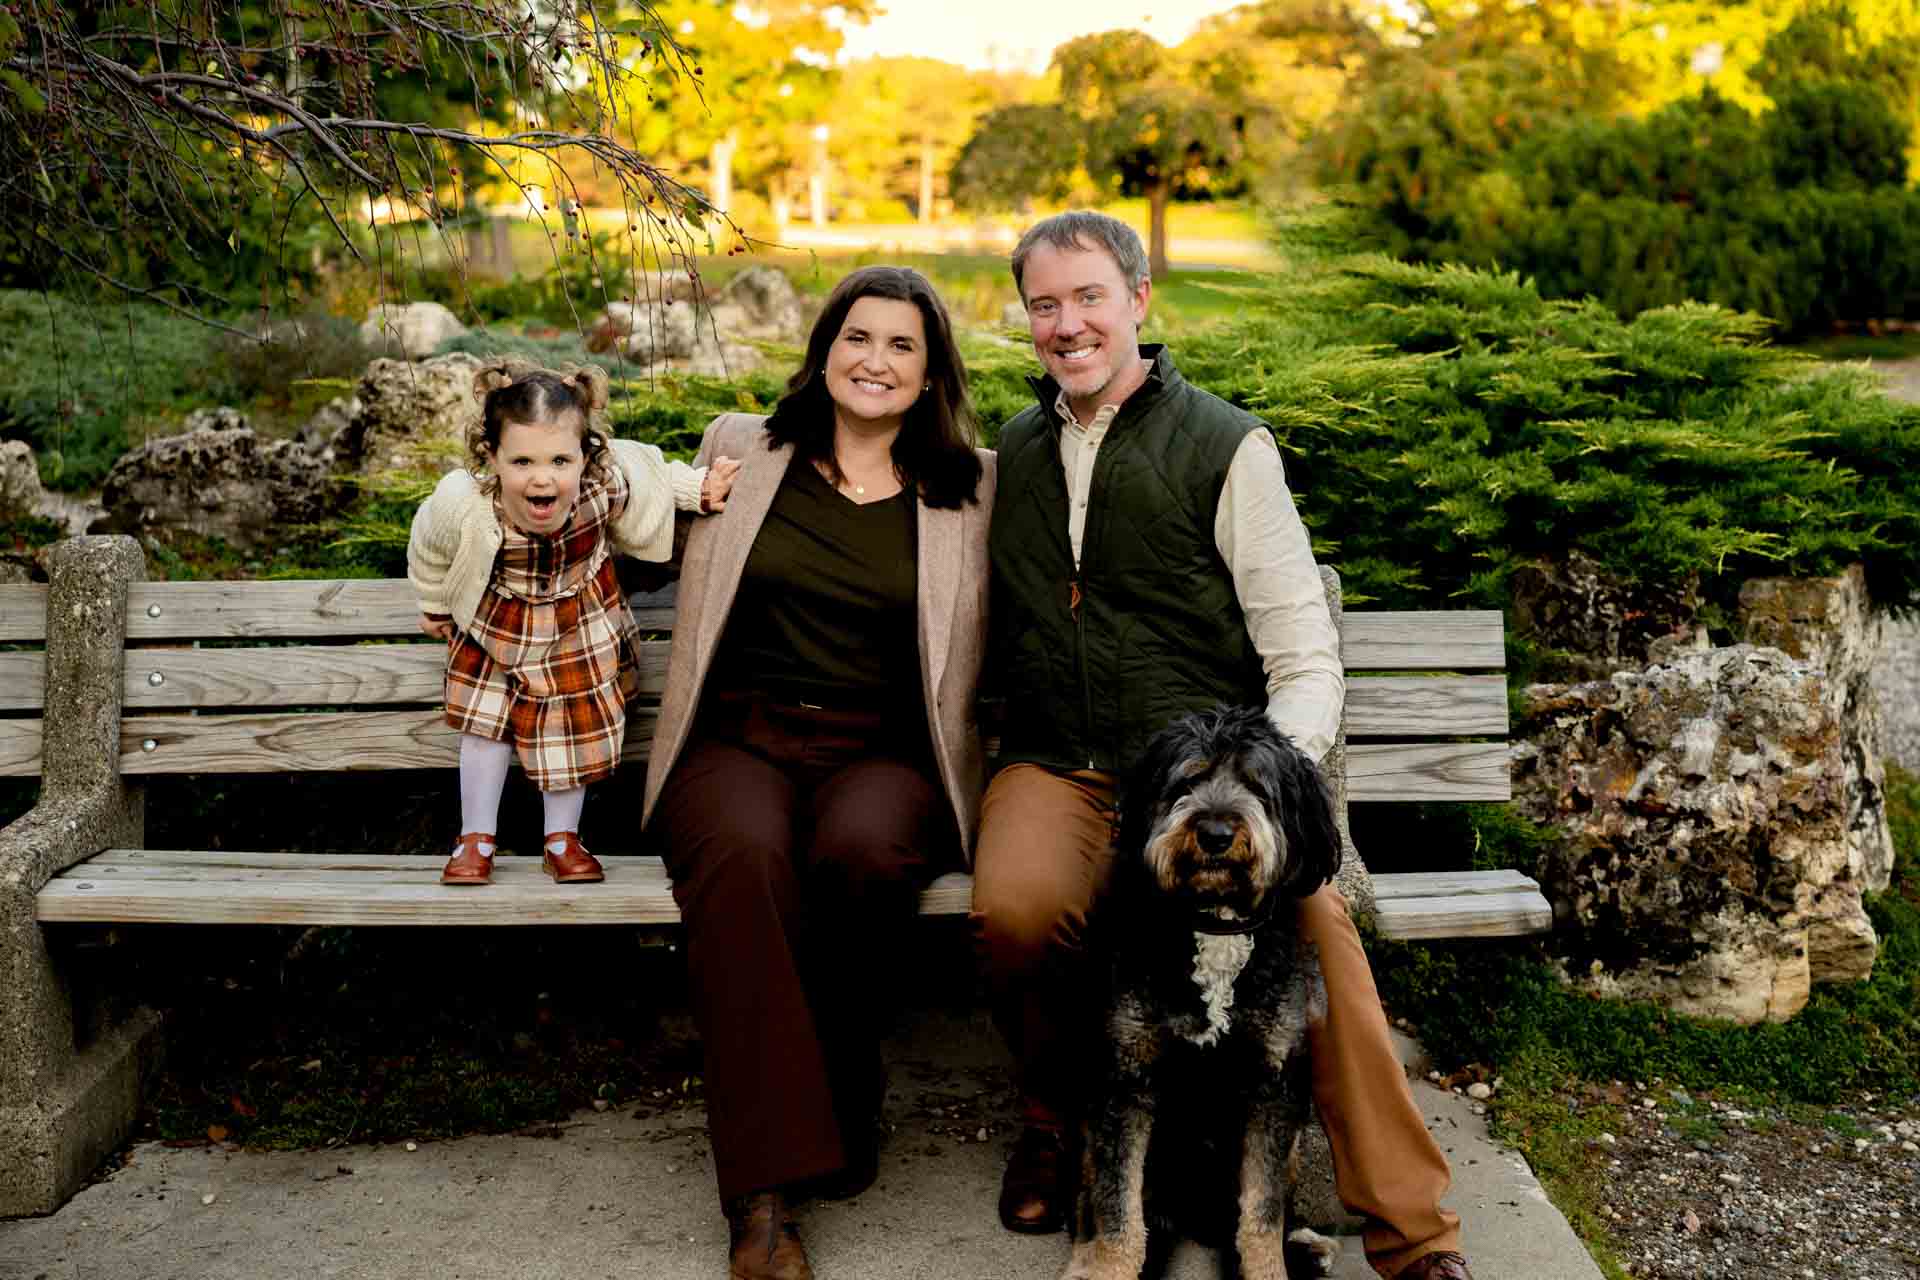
column 1083, row 229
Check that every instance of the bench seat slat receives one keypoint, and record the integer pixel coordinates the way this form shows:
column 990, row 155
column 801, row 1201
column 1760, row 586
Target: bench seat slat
column 1448, row 884
column 198, row 887
column 1486, row 915
column 390, row 889
column 23, row 612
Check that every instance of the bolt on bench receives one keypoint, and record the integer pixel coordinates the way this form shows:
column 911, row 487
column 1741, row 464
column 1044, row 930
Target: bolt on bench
column 136, row 678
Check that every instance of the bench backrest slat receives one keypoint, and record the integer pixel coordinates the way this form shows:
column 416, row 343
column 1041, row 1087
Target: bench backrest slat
column 1400, row 771
column 23, row 681
column 340, row 608
column 214, row 709
column 1426, row 706
column 310, row 675
column 1423, row 640
column 19, row 748
column 23, row 612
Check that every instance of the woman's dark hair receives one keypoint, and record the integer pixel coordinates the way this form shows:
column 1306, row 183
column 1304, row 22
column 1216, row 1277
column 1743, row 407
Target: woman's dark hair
column 516, row 391
column 933, row 453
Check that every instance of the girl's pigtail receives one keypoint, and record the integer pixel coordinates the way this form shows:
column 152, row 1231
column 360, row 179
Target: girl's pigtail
column 589, row 382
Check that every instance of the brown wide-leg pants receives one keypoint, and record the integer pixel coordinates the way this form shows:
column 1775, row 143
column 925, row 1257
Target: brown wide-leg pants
column 1040, row 862
column 798, row 841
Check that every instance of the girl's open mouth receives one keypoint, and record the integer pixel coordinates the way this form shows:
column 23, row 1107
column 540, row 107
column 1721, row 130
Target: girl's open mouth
column 542, row 507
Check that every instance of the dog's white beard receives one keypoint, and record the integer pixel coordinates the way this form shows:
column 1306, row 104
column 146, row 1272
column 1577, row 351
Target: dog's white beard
column 1217, row 961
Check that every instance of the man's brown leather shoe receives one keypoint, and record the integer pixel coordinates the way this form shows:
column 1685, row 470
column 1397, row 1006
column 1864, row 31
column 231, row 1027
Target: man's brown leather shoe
column 468, row 865
column 572, row 864
column 1445, row 1265
column 765, row 1243
column 1034, row 1190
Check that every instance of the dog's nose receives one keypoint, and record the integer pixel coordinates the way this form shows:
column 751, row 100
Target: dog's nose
column 1213, row 835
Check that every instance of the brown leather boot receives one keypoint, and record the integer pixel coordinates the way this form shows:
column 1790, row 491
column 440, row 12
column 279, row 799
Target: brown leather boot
column 1035, row 1188
column 765, row 1243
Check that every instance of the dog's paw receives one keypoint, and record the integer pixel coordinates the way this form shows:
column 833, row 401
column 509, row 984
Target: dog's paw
column 1080, row 1264
column 1310, row 1254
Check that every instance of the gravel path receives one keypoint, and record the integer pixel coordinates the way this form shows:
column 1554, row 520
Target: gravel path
column 1695, row 1188
column 1903, row 377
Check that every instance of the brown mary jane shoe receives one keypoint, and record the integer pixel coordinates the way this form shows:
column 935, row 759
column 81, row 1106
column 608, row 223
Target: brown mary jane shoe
column 468, row 865
column 764, row 1242
column 573, row 864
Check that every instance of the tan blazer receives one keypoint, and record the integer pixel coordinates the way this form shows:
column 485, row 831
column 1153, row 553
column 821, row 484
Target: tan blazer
column 952, row 610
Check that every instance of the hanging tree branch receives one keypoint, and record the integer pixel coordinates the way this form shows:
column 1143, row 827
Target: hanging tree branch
column 136, row 139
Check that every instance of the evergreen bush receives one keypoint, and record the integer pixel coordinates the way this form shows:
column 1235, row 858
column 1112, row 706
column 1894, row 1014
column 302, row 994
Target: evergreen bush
column 1801, row 214
column 1443, row 425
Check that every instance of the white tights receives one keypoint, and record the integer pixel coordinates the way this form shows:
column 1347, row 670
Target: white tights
column 483, row 774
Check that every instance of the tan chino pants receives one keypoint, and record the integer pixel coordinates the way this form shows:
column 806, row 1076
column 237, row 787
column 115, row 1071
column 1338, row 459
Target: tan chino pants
column 1042, row 858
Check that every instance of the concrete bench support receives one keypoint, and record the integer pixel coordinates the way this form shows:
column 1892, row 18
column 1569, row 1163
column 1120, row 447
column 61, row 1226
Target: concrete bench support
column 71, row 1066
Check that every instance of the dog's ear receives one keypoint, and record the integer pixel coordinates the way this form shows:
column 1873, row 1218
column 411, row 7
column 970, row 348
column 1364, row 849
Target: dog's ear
column 1143, row 788
column 1306, row 818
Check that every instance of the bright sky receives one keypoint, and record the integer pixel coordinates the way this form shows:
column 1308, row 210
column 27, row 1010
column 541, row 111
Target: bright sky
column 1013, row 34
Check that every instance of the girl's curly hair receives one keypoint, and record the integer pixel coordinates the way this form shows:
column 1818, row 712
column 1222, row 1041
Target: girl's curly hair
column 515, row 390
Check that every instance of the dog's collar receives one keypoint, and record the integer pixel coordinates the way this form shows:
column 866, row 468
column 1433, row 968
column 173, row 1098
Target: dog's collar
column 1204, row 923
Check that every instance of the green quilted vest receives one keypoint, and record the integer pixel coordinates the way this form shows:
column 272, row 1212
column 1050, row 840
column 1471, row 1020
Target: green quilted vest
column 1158, row 630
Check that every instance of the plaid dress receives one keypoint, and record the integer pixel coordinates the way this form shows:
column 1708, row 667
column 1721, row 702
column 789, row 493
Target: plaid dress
column 552, row 659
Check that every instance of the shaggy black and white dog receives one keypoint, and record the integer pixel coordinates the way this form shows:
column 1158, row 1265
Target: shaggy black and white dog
column 1201, row 1083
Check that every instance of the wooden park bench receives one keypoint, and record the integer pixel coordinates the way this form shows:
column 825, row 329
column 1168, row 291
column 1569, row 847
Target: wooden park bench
column 108, row 678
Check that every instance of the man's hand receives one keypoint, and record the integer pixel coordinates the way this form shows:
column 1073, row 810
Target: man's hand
column 718, row 484
column 438, row 628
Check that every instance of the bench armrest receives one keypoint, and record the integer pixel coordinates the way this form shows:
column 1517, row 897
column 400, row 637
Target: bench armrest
column 66, row 828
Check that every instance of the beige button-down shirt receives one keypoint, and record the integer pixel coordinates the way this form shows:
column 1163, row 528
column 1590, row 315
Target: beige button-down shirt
column 1265, row 546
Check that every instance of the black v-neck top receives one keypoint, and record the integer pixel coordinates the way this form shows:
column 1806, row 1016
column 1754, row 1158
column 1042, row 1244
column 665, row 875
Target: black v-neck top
column 825, row 613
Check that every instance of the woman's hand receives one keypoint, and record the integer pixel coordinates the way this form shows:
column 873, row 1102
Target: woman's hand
column 438, row 628
column 718, row 484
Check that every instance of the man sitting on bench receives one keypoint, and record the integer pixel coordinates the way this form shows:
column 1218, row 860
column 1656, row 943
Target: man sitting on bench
column 1177, row 512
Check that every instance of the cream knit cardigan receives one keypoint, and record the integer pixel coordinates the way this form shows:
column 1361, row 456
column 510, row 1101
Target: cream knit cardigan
column 456, row 535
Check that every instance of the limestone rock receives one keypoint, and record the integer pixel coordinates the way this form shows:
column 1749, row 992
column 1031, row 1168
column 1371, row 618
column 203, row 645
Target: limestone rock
column 1701, row 808
column 20, row 491
column 1014, row 316
column 21, row 497
column 1830, row 622
column 232, row 485
column 1896, row 688
column 410, row 330
column 330, row 423
column 1591, row 622
column 761, row 303
column 668, row 331
column 649, row 332
column 219, row 418
column 411, row 413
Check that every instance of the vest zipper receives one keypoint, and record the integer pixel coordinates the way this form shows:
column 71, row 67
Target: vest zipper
column 1086, row 685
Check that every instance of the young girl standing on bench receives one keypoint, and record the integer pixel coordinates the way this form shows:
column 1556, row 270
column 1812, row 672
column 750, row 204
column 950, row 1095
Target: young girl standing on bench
column 513, row 564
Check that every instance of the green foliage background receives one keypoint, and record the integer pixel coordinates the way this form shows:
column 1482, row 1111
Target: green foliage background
column 1502, row 154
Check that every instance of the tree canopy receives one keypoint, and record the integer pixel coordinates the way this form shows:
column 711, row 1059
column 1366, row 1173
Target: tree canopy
column 189, row 152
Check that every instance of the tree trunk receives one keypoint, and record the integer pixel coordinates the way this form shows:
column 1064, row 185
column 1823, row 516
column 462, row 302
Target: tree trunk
column 926, row 179
column 1157, row 229
column 720, row 171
